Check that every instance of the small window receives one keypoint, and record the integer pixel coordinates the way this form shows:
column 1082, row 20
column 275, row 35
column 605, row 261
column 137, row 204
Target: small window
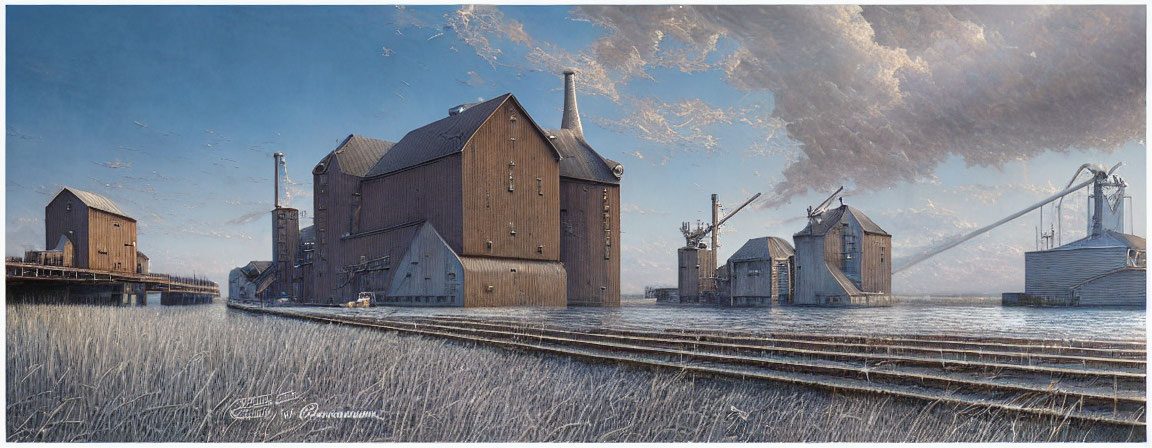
column 115, row 224
column 68, row 207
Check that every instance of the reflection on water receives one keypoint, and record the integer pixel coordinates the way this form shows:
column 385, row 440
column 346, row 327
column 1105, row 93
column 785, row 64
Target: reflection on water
column 967, row 316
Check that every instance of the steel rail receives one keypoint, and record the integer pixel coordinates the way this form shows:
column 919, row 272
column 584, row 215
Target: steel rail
column 1046, row 346
column 818, row 381
column 818, row 348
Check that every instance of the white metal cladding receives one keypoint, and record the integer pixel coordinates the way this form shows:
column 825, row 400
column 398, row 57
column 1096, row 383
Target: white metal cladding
column 1125, row 287
column 1053, row 273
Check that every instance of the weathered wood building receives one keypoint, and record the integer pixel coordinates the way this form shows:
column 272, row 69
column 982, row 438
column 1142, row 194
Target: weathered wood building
column 285, row 246
column 842, row 258
column 249, row 282
column 695, row 273
column 480, row 208
column 486, row 178
column 589, row 211
column 94, row 229
column 336, row 183
column 142, row 262
column 759, row 273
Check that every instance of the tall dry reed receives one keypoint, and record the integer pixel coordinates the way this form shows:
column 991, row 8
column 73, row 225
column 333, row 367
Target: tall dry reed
column 81, row 373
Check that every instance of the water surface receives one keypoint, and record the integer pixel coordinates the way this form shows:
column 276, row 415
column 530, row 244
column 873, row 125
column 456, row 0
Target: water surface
column 973, row 316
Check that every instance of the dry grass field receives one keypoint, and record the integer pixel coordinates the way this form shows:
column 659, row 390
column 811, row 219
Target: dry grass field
column 203, row 373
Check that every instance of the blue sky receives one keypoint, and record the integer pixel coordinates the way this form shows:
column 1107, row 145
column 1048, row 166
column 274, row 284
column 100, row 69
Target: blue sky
column 174, row 112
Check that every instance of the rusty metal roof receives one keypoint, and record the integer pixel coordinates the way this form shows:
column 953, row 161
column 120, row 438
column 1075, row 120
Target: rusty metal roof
column 833, row 216
column 357, row 154
column 98, row 202
column 443, row 137
column 762, row 249
column 579, row 160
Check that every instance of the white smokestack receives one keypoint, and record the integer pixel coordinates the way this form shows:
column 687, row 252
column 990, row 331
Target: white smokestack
column 571, row 119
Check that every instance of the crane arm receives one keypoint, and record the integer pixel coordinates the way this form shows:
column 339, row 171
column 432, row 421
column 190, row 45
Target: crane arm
column 697, row 235
column 741, row 207
column 824, row 205
column 909, row 262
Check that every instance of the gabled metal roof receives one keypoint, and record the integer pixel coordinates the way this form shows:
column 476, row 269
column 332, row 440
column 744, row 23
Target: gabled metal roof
column 1108, row 238
column 98, row 202
column 831, row 217
column 356, row 155
column 444, row 137
column 762, row 249
column 579, row 160
column 255, row 268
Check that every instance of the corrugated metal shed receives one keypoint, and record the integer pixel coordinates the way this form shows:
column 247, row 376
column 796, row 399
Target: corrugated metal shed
column 763, row 248
column 831, row 217
column 98, row 202
column 1126, row 286
column 579, row 160
column 357, row 154
column 443, row 137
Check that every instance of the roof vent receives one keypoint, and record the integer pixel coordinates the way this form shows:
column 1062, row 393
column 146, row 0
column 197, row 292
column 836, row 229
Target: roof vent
column 459, row 108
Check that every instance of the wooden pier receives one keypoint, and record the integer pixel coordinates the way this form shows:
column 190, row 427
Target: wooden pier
column 99, row 286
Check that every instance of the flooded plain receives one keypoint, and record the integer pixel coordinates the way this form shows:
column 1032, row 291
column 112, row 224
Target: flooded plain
column 969, row 316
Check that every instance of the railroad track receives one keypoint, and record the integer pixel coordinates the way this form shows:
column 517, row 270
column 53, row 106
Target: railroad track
column 1083, row 380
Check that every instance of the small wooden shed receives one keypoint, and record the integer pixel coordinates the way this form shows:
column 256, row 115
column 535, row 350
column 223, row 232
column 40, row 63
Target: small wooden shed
column 760, row 273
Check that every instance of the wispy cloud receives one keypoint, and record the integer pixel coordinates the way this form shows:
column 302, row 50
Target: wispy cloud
column 876, row 95
column 115, row 164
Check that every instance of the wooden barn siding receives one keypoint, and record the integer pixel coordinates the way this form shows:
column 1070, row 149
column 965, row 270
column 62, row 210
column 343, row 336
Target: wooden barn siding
column 117, row 241
column 490, row 210
column 429, row 274
column 813, row 277
column 833, row 244
column 1052, row 273
column 391, row 244
column 302, row 284
column 583, row 245
column 333, row 216
column 431, row 192
column 744, row 284
column 285, row 240
column 876, row 263
column 535, row 283
column 1123, row 288
column 688, row 277
column 873, row 267
column 58, row 221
